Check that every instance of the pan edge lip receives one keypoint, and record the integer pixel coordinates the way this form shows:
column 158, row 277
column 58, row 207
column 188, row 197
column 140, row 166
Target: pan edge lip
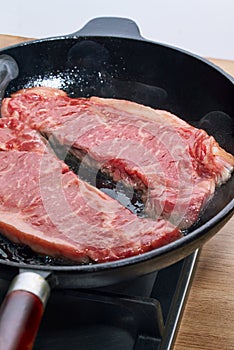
column 74, row 36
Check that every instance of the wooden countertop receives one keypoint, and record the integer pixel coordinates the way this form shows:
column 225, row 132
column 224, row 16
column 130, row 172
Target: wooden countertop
column 208, row 319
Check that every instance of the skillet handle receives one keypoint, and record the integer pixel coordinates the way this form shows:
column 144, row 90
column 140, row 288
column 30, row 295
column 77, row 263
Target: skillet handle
column 110, row 26
column 22, row 310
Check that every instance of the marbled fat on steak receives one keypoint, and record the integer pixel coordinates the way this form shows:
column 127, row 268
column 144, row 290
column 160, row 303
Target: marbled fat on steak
column 175, row 165
column 47, row 207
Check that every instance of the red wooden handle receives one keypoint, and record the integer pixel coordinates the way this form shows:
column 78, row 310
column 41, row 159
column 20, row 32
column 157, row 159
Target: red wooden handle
column 20, row 317
column 21, row 313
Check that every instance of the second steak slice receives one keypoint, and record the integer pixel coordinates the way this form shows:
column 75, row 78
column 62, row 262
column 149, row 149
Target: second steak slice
column 47, row 207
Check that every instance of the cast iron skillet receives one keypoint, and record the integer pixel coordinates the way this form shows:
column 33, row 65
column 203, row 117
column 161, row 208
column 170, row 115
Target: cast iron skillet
column 109, row 58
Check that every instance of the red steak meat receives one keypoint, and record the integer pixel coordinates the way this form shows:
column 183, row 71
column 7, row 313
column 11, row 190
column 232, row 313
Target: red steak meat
column 47, row 207
column 175, row 165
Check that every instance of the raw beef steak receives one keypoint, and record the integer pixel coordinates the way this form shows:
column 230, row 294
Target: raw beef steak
column 45, row 206
column 176, row 166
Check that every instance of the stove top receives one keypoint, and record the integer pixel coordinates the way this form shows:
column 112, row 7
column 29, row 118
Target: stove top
column 143, row 314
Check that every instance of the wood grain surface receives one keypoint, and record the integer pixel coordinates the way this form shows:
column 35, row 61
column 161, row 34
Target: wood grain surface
column 208, row 319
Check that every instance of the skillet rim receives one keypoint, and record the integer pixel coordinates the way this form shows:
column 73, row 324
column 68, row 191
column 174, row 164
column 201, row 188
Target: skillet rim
column 76, row 35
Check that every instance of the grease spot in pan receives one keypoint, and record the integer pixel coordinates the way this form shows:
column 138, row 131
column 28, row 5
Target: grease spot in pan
column 24, row 255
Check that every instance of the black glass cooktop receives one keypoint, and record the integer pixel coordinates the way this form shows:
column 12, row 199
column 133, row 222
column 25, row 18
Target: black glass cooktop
column 137, row 315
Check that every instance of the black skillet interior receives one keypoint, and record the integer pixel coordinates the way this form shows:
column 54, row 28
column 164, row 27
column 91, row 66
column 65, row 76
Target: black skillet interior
column 157, row 75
